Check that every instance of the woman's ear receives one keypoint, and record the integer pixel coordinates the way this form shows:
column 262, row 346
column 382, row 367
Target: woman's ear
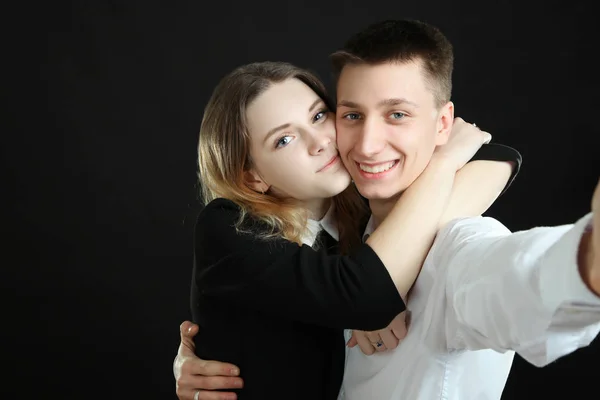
column 255, row 182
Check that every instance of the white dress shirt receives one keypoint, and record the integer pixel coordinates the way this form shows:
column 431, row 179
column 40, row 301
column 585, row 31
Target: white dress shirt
column 482, row 294
column 326, row 223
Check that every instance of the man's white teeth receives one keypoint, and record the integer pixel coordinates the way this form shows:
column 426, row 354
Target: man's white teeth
column 377, row 168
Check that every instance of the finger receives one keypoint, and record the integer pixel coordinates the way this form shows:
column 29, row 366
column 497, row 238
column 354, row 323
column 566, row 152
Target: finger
column 487, row 137
column 206, row 395
column 390, row 341
column 352, row 342
column 187, row 350
column 212, row 382
column 365, row 346
column 188, row 330
column 376, row 341
column 188, row 385
column 400, row 331
column 380, row 347
column 407, row 319
column 373, row 337
column 198, row 366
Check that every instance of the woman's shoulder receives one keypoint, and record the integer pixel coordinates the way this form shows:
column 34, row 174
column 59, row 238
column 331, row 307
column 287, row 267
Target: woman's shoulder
column 220, row 204
column 225, row 215
column 219, row 210
column 221, row 231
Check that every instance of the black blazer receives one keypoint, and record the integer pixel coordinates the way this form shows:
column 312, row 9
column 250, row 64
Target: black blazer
column 278, row 310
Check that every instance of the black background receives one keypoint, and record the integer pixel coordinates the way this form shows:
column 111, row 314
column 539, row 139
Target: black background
column 99, row 155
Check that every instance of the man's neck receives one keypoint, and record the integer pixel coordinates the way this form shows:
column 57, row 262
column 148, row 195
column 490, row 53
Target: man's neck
column 380, row 208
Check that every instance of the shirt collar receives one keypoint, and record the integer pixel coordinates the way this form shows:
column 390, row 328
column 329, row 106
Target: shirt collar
column 329, row 225
column 326, row 223
column 369, row 229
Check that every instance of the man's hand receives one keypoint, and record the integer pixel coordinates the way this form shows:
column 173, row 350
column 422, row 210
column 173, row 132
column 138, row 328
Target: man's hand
column 193, row 374
column 383, row 339
column 589, row 250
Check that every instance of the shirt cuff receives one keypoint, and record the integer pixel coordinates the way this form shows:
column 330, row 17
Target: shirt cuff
column 561, row 284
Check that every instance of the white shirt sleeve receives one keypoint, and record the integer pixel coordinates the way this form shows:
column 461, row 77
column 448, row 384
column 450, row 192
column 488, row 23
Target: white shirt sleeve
column 512, row 291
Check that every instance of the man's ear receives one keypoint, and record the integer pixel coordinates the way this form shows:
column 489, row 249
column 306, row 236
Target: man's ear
column 255, row 182
column 444, row 123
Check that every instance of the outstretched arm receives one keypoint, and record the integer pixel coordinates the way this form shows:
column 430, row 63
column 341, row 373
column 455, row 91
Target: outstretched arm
column 535, row 291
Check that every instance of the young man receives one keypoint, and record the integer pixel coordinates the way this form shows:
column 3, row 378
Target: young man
column 484, row 293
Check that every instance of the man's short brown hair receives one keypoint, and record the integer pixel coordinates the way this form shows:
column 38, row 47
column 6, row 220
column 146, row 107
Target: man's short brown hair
column 402, row 41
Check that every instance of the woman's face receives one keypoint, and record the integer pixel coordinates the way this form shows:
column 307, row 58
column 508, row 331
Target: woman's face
column 293, row 145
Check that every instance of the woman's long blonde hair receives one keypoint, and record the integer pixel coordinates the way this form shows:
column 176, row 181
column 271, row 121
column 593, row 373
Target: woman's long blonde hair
column 224, row 156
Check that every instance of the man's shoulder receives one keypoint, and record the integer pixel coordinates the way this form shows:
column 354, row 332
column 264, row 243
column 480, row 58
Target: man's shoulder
column 463, row 230
column 456, row 235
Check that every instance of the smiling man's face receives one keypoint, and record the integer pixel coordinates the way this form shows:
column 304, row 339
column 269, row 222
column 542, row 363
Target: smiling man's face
column 388, row 125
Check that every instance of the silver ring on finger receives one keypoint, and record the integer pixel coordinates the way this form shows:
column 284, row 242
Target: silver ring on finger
column 378, row 343
column 474, row 124
column 197, row 395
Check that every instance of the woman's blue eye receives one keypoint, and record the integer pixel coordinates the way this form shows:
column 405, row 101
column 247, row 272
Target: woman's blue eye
column 320, row 115
column 283, row 141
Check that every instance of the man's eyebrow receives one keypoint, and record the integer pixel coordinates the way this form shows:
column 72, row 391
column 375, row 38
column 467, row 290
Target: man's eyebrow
column 386, row 102
column 347, row 103
column 396, row 102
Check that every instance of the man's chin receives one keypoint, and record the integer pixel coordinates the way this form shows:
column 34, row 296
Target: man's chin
column 379, row 193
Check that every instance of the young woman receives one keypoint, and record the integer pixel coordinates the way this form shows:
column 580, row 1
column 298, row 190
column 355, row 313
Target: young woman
column 271, row 292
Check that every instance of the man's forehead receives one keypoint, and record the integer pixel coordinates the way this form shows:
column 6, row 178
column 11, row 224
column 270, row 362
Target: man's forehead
column 399, row 69
column 386, row 82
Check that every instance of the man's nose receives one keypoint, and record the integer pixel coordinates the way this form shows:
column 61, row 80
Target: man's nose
column 371, row 140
